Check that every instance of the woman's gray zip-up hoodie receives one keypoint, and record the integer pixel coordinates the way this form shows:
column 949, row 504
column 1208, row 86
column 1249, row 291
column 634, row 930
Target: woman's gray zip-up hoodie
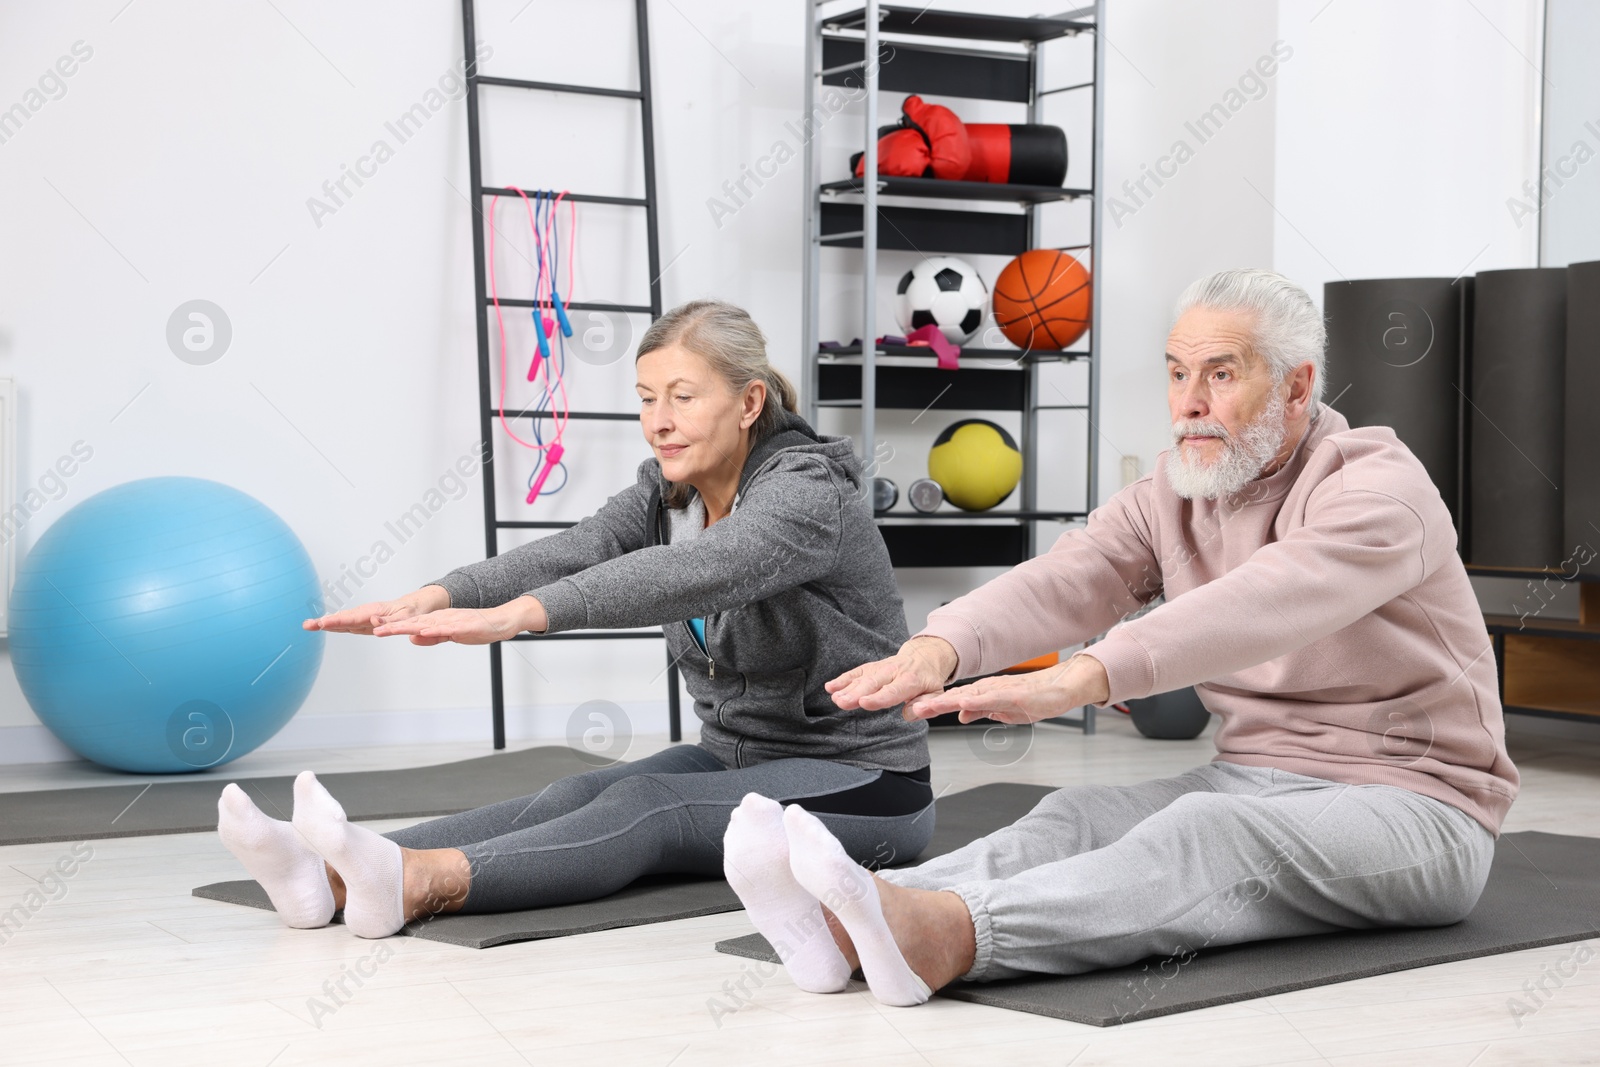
column 795, row 586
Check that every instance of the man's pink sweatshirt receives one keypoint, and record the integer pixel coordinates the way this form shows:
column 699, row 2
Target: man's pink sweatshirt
column 1321, row 612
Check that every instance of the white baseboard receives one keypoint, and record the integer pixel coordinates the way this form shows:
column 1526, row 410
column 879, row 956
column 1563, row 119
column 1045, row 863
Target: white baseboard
column 529, row 722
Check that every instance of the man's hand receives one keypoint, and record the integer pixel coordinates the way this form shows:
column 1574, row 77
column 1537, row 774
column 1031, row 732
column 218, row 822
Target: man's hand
column 921, row 666
column 470, row 626
column 1020, row 698
column 361, row 620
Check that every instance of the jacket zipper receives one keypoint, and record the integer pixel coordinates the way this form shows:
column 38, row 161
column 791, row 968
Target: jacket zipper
column 711, row 665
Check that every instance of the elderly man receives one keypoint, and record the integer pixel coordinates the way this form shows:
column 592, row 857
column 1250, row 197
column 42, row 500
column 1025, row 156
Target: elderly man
column 1315, row 599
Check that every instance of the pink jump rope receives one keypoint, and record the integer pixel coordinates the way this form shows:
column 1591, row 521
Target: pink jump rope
column 546, row 298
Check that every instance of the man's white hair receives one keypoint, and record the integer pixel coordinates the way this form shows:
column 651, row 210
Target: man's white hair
column 1287, row 330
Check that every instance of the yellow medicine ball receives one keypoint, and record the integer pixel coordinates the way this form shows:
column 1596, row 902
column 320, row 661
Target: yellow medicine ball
column 976, row 463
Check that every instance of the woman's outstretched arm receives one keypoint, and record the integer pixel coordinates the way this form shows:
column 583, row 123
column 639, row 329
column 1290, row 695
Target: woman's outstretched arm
column 786, row 531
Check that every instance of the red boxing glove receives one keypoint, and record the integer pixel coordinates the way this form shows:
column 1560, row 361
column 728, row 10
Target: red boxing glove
column 930, row 142
column 901, row 154
column 949, row 153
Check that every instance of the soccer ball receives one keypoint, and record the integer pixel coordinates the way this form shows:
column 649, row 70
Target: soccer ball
column 943, row 291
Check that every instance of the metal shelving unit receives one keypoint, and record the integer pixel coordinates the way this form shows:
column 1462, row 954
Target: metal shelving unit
column 933, row 52
column 847, row 213
column 492, row 523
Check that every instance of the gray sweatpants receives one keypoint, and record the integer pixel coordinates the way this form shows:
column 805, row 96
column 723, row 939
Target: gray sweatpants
column 1100, row 876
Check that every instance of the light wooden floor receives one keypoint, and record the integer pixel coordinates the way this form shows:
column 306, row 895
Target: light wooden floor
column 128, row 968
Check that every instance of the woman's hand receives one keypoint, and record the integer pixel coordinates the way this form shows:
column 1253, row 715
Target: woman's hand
column 361, row 620
column 921, row 666
column 469, row 626
column 1020, row 698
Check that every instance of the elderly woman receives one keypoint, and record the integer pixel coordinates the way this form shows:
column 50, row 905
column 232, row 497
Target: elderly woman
column 1313, row 596
column 749, row 538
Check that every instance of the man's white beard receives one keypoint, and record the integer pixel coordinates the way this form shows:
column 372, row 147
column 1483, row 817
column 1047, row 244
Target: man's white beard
column 1241, row 460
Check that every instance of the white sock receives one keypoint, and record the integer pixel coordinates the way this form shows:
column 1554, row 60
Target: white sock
column 287, row 867
column 846, row 888
column 755, row 857
column 374, row 903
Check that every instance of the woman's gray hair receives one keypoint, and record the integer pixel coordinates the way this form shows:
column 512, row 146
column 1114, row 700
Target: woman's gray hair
column 1288, row 330
column 728, row 339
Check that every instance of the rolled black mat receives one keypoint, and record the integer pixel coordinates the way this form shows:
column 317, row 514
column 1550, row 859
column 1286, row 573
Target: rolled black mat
column 1515, row 429
column 1394, row 359
column 1581, row 489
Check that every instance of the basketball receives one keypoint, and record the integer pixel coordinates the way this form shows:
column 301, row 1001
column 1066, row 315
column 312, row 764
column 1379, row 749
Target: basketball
column 1041, row 300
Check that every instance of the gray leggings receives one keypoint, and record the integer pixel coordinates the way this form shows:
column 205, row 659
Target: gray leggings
column 1101, row 876
column 588, row 835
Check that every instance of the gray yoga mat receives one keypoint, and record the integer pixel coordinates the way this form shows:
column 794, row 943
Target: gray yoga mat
column 1544, row 889
column 962, row 817
column 649, row 900
column 190, row 805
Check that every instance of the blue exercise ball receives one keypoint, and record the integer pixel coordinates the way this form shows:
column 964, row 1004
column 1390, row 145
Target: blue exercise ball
column 155, row 627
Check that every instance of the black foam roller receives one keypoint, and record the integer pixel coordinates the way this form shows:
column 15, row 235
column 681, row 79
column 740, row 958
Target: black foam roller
column 1581, row 505
column 1394, row 359
column 1516, row 418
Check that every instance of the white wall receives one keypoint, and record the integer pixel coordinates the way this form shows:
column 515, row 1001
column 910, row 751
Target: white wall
column 179, row 161
column 1169, row 65
column 1570, row 205
column 1403, row 130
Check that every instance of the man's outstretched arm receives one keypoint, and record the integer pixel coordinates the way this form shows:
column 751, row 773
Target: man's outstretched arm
column 1358, row 550
column 1088, row 581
